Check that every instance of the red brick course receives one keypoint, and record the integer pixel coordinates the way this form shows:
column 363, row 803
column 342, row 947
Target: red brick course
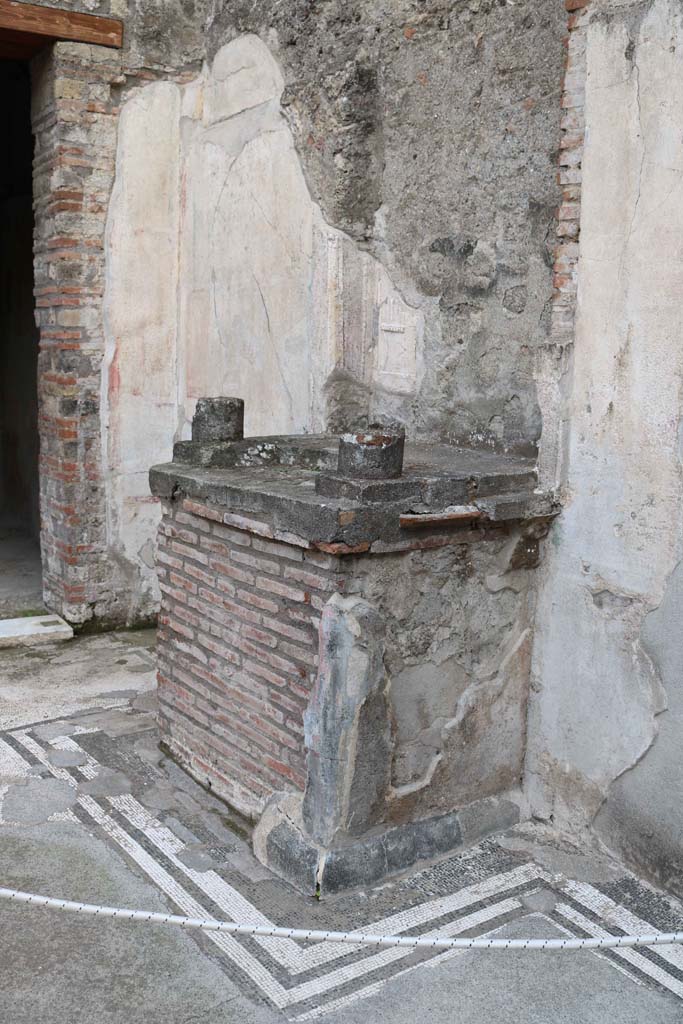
column 238, row 651
column 73, row 117
column 569, row 177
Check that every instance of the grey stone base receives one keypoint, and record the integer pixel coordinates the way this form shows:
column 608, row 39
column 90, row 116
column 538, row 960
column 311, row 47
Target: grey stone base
column 281, row 843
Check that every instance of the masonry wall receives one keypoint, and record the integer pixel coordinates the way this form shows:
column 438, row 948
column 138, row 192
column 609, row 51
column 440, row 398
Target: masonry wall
column 427, row 135
column 73, row 115
column 605, row 722
column 371, row 222
column 75, row 103
column 238, row 657
column 417, row 272
column 238, row 649
column 457, row 655
column 271, row 218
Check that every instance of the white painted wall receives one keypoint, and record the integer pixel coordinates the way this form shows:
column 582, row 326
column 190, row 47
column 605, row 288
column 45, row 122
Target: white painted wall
column 597, row 686
column 138, row 381
column 246, row 246
column 224, row 279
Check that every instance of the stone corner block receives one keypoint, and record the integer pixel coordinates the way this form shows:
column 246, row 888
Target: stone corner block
column 282, row 844
column 218, row 419
column 348, row 724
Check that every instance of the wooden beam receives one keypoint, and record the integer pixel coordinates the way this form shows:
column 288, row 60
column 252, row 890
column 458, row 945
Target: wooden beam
column 50, row 23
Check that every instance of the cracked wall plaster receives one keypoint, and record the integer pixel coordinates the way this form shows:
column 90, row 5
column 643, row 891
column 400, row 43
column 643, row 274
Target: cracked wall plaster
column 223, row 278
column 641, row 816
column 599, row 658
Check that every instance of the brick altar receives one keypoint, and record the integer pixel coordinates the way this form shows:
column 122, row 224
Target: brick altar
column 343, row 641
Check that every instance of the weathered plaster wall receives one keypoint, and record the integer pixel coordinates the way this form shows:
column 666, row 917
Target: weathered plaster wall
column 223, row 278
column 246, row 245
column 457, row 652
column 225, row 274
column 139, row 402
column 606, row 663
column 642, row 815
column 429, row 134
column 402, row 161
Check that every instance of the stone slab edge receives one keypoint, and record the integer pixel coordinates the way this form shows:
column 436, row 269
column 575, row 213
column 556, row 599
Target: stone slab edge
column 30, row 630
column 347, row 533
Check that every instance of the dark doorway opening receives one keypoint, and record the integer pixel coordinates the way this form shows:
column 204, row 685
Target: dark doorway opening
column 20, row 573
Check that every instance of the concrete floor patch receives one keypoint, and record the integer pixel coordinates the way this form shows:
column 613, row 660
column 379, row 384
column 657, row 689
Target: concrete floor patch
column 67, row 758
column 37, row 800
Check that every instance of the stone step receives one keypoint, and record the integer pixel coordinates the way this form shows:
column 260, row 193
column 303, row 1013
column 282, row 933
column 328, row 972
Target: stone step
column 29, row 630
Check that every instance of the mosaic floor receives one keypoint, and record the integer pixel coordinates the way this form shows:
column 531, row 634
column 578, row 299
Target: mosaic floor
column 101, row 768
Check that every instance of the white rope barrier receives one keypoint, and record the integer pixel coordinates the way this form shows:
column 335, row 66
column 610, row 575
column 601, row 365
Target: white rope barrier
column 352, row 938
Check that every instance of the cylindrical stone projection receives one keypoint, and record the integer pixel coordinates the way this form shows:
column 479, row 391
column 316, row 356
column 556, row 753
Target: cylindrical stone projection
column 218, row 419
column 375, row 454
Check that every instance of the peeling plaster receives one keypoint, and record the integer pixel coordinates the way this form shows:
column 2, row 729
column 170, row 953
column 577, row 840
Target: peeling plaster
column 641, row 815
column 223, row 278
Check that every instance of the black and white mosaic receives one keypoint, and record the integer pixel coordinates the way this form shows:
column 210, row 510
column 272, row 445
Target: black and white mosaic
column 198, row 856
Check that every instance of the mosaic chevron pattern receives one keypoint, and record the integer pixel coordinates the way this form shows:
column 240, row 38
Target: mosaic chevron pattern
column 474, row 893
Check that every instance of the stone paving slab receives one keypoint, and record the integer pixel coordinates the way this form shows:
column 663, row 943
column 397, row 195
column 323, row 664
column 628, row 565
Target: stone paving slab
column 62, row 968
column 30, row 630
column 91, row 809
column 478, row 987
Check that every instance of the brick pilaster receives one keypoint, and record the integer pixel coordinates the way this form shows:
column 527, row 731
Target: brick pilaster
column 554, row 358
column 74, row 123
column 572, row 127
